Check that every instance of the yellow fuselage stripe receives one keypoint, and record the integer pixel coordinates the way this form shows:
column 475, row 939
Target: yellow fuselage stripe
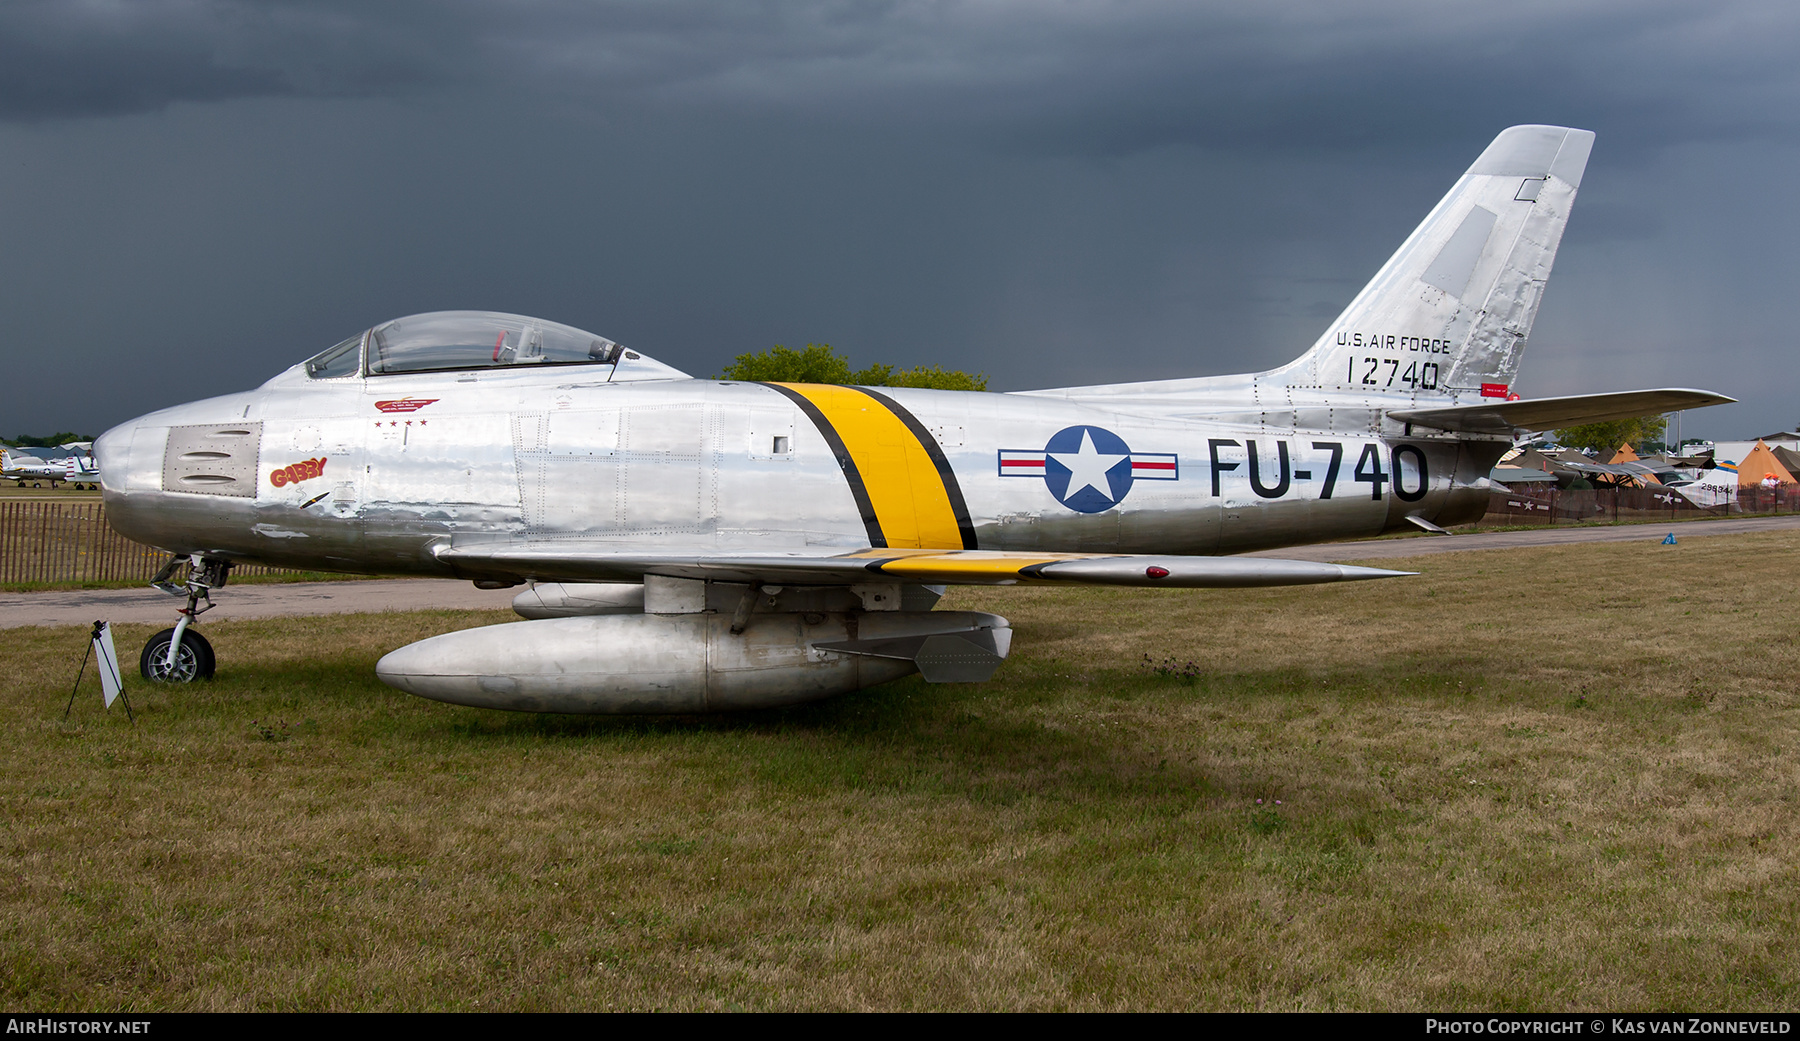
column 902, row 482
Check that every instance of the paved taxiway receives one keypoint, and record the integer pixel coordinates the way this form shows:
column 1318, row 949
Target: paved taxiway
column 147, row 606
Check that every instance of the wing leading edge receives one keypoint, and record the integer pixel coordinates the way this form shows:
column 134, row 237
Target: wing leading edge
column 575, row 562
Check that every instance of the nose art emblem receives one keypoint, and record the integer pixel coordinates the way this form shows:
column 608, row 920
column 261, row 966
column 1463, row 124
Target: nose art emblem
column 404, row 404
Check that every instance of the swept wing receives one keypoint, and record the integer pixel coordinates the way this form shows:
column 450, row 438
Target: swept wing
column 574, row 561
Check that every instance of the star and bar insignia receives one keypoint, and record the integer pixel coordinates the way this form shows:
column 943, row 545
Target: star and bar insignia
column 1089, row 469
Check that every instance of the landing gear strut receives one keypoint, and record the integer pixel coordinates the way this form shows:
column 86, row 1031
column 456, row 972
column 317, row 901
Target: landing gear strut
column 179, row 655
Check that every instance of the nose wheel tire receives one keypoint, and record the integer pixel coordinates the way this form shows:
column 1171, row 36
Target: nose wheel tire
column 193, row 662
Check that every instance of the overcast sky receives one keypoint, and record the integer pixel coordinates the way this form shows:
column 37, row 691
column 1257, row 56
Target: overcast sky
column 195, row 195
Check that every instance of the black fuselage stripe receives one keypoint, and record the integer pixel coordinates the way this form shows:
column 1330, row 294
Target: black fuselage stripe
column 852, row 475
column 952, row 490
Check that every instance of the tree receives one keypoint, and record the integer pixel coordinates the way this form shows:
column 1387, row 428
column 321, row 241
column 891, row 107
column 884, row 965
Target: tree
column 1642, row 432
column 819, row 363
column 60, row 438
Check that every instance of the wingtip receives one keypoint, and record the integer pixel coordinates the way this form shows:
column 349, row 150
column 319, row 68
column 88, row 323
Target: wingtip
column 1357, row 573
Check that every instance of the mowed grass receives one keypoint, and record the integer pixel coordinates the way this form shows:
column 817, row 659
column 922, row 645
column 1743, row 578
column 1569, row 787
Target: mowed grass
column 1563, row 778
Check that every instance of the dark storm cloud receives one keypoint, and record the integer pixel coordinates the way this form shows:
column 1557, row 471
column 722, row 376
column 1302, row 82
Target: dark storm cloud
column 60, row 59
column 1105, row 77
column 196, row 194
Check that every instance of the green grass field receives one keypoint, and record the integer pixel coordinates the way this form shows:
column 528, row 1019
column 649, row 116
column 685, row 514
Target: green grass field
column 1565, row 778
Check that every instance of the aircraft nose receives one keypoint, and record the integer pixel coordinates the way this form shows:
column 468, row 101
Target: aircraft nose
column 130, row 458
column 109, row 455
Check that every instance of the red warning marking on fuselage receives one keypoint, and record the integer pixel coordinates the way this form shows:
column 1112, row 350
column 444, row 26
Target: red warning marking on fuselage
column 403, row 404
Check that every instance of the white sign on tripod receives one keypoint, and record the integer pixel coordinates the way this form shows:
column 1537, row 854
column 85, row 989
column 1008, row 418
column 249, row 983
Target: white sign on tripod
column 110, row 681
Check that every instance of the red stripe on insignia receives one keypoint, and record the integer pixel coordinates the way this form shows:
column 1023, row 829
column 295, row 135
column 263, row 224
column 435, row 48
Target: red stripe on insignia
column 1021, row 462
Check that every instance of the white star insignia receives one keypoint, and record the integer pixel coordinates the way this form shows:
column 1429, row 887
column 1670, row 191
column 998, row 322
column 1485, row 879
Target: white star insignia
column 1087, row 467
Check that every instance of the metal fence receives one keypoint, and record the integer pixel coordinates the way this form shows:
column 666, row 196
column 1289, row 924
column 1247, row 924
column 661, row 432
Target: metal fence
column 70, row 542
column 1546, row 504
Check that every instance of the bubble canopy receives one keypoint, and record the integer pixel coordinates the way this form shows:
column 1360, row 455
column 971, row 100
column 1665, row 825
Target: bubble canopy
column 461, row 340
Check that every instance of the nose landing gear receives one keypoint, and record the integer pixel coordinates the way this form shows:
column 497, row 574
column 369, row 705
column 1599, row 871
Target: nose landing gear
column 180, row 655
column 193, row 658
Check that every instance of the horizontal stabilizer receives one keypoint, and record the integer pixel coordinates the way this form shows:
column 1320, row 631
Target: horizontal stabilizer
column 1503, row 417
column 576, row 561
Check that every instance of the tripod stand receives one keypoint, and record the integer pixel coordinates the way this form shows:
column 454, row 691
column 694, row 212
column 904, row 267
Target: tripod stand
column 109, row 661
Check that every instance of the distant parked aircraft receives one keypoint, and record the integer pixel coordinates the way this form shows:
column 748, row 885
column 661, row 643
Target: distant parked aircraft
column 73, row 462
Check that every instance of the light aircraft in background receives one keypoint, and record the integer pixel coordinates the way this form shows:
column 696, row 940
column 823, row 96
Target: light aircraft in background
column 699, row 545
column 72, row 462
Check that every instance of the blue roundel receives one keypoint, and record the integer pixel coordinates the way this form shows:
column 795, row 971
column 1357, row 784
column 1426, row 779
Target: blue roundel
column 1087, row 468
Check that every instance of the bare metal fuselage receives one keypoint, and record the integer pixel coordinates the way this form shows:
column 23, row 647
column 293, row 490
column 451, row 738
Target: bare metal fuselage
column 376, row 474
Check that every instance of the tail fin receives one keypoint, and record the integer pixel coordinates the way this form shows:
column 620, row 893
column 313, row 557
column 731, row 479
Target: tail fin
column 1448, row 314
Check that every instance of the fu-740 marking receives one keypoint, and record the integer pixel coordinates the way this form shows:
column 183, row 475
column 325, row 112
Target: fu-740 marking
column 1407, row 465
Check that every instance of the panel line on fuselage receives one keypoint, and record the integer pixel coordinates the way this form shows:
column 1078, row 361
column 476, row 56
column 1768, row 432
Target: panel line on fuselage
column 908, row 494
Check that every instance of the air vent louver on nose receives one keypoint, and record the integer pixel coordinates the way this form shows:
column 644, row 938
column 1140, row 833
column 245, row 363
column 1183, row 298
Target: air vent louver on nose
column 213, row 460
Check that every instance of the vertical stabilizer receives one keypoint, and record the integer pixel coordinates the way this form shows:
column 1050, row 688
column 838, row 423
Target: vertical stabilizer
column 1448, row 314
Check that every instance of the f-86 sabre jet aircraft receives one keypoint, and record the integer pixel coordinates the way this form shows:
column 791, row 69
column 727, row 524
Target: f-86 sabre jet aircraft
column 700, row 545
